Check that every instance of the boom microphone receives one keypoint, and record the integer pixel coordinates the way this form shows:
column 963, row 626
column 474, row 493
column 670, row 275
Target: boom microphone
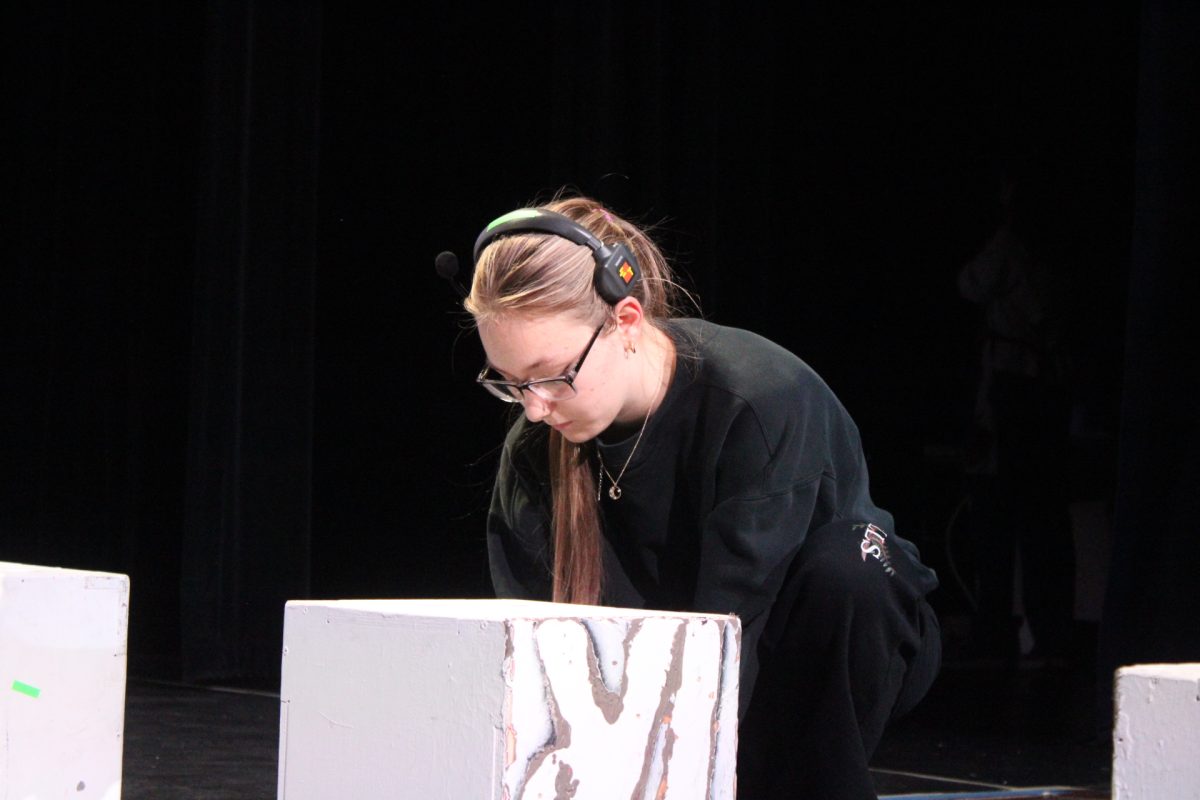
column 446, row 265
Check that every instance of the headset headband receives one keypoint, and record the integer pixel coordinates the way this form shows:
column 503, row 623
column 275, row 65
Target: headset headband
column 617, row 271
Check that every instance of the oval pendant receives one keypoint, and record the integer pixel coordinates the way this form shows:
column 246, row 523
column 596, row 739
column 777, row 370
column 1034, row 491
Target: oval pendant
column 614, row 492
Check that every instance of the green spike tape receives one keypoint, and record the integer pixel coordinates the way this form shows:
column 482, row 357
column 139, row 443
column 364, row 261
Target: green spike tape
column 25, row 688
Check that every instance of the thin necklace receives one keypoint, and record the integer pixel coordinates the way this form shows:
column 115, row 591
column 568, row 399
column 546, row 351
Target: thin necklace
column 614, row 489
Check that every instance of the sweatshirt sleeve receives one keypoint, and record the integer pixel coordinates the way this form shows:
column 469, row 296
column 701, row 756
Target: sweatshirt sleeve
column 751, row 536
column 791, row 461
column 518, row 528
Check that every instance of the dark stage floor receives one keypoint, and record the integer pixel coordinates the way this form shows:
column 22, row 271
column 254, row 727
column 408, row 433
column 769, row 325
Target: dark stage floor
column 980, row 733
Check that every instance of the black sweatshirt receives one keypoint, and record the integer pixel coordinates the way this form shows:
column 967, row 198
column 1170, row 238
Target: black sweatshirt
column 748, row 452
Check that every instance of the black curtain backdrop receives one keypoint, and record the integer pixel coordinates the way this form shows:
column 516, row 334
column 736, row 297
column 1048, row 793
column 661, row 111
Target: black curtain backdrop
column 232, row 371
column 1155, row 551
column 99, row 165
column 247, row 530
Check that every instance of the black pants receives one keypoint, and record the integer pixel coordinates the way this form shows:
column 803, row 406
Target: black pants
column 848, row 647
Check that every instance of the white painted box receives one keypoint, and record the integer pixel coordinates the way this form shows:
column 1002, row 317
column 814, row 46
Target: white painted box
column 63, row 636
column 1156, row 738
column 502, row 699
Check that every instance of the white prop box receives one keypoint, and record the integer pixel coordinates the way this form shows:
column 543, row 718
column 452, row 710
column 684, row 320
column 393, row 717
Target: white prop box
column 63, row 635
column 506, row 700
column 1156, row 738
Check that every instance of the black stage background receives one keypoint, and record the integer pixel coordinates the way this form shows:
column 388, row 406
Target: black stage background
column 232, row 373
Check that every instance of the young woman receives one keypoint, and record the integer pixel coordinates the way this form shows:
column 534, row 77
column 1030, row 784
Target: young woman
column 671, row 463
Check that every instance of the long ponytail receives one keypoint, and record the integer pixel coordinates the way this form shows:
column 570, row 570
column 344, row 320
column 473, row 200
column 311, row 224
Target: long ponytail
column 578, row 554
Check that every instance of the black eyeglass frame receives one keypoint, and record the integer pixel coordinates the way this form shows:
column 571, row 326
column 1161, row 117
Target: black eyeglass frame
column 512, row 392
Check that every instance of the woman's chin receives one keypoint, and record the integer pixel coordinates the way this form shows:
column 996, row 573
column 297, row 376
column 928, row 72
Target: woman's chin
column 573, row 432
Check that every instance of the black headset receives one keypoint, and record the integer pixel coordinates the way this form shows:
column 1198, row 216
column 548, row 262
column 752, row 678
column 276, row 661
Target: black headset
column 617, row 271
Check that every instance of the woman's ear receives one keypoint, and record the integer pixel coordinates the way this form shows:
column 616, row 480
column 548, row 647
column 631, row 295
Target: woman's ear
column 630, row 318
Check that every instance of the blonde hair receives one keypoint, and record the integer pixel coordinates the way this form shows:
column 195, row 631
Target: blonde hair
column 544, row 274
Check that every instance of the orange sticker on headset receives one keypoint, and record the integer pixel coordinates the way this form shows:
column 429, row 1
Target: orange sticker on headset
column 626, row 272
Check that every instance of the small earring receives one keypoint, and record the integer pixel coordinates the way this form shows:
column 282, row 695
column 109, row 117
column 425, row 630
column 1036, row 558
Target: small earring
column 629, row 348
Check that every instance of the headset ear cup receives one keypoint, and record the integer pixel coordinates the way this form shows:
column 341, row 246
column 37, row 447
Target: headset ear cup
column 617, row 272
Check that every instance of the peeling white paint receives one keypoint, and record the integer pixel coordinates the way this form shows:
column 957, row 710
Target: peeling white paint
column 697, row 697
column 599, row 753
column 724, row 758
column 609, row 637
column 528, row 727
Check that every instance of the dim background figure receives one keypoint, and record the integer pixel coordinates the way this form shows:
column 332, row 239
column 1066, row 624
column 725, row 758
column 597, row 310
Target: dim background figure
column 1018, row 456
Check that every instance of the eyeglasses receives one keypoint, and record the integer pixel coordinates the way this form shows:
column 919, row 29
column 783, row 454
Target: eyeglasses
column 552, row 389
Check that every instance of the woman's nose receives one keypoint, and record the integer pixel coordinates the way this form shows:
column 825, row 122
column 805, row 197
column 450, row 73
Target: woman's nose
column 536, row 408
